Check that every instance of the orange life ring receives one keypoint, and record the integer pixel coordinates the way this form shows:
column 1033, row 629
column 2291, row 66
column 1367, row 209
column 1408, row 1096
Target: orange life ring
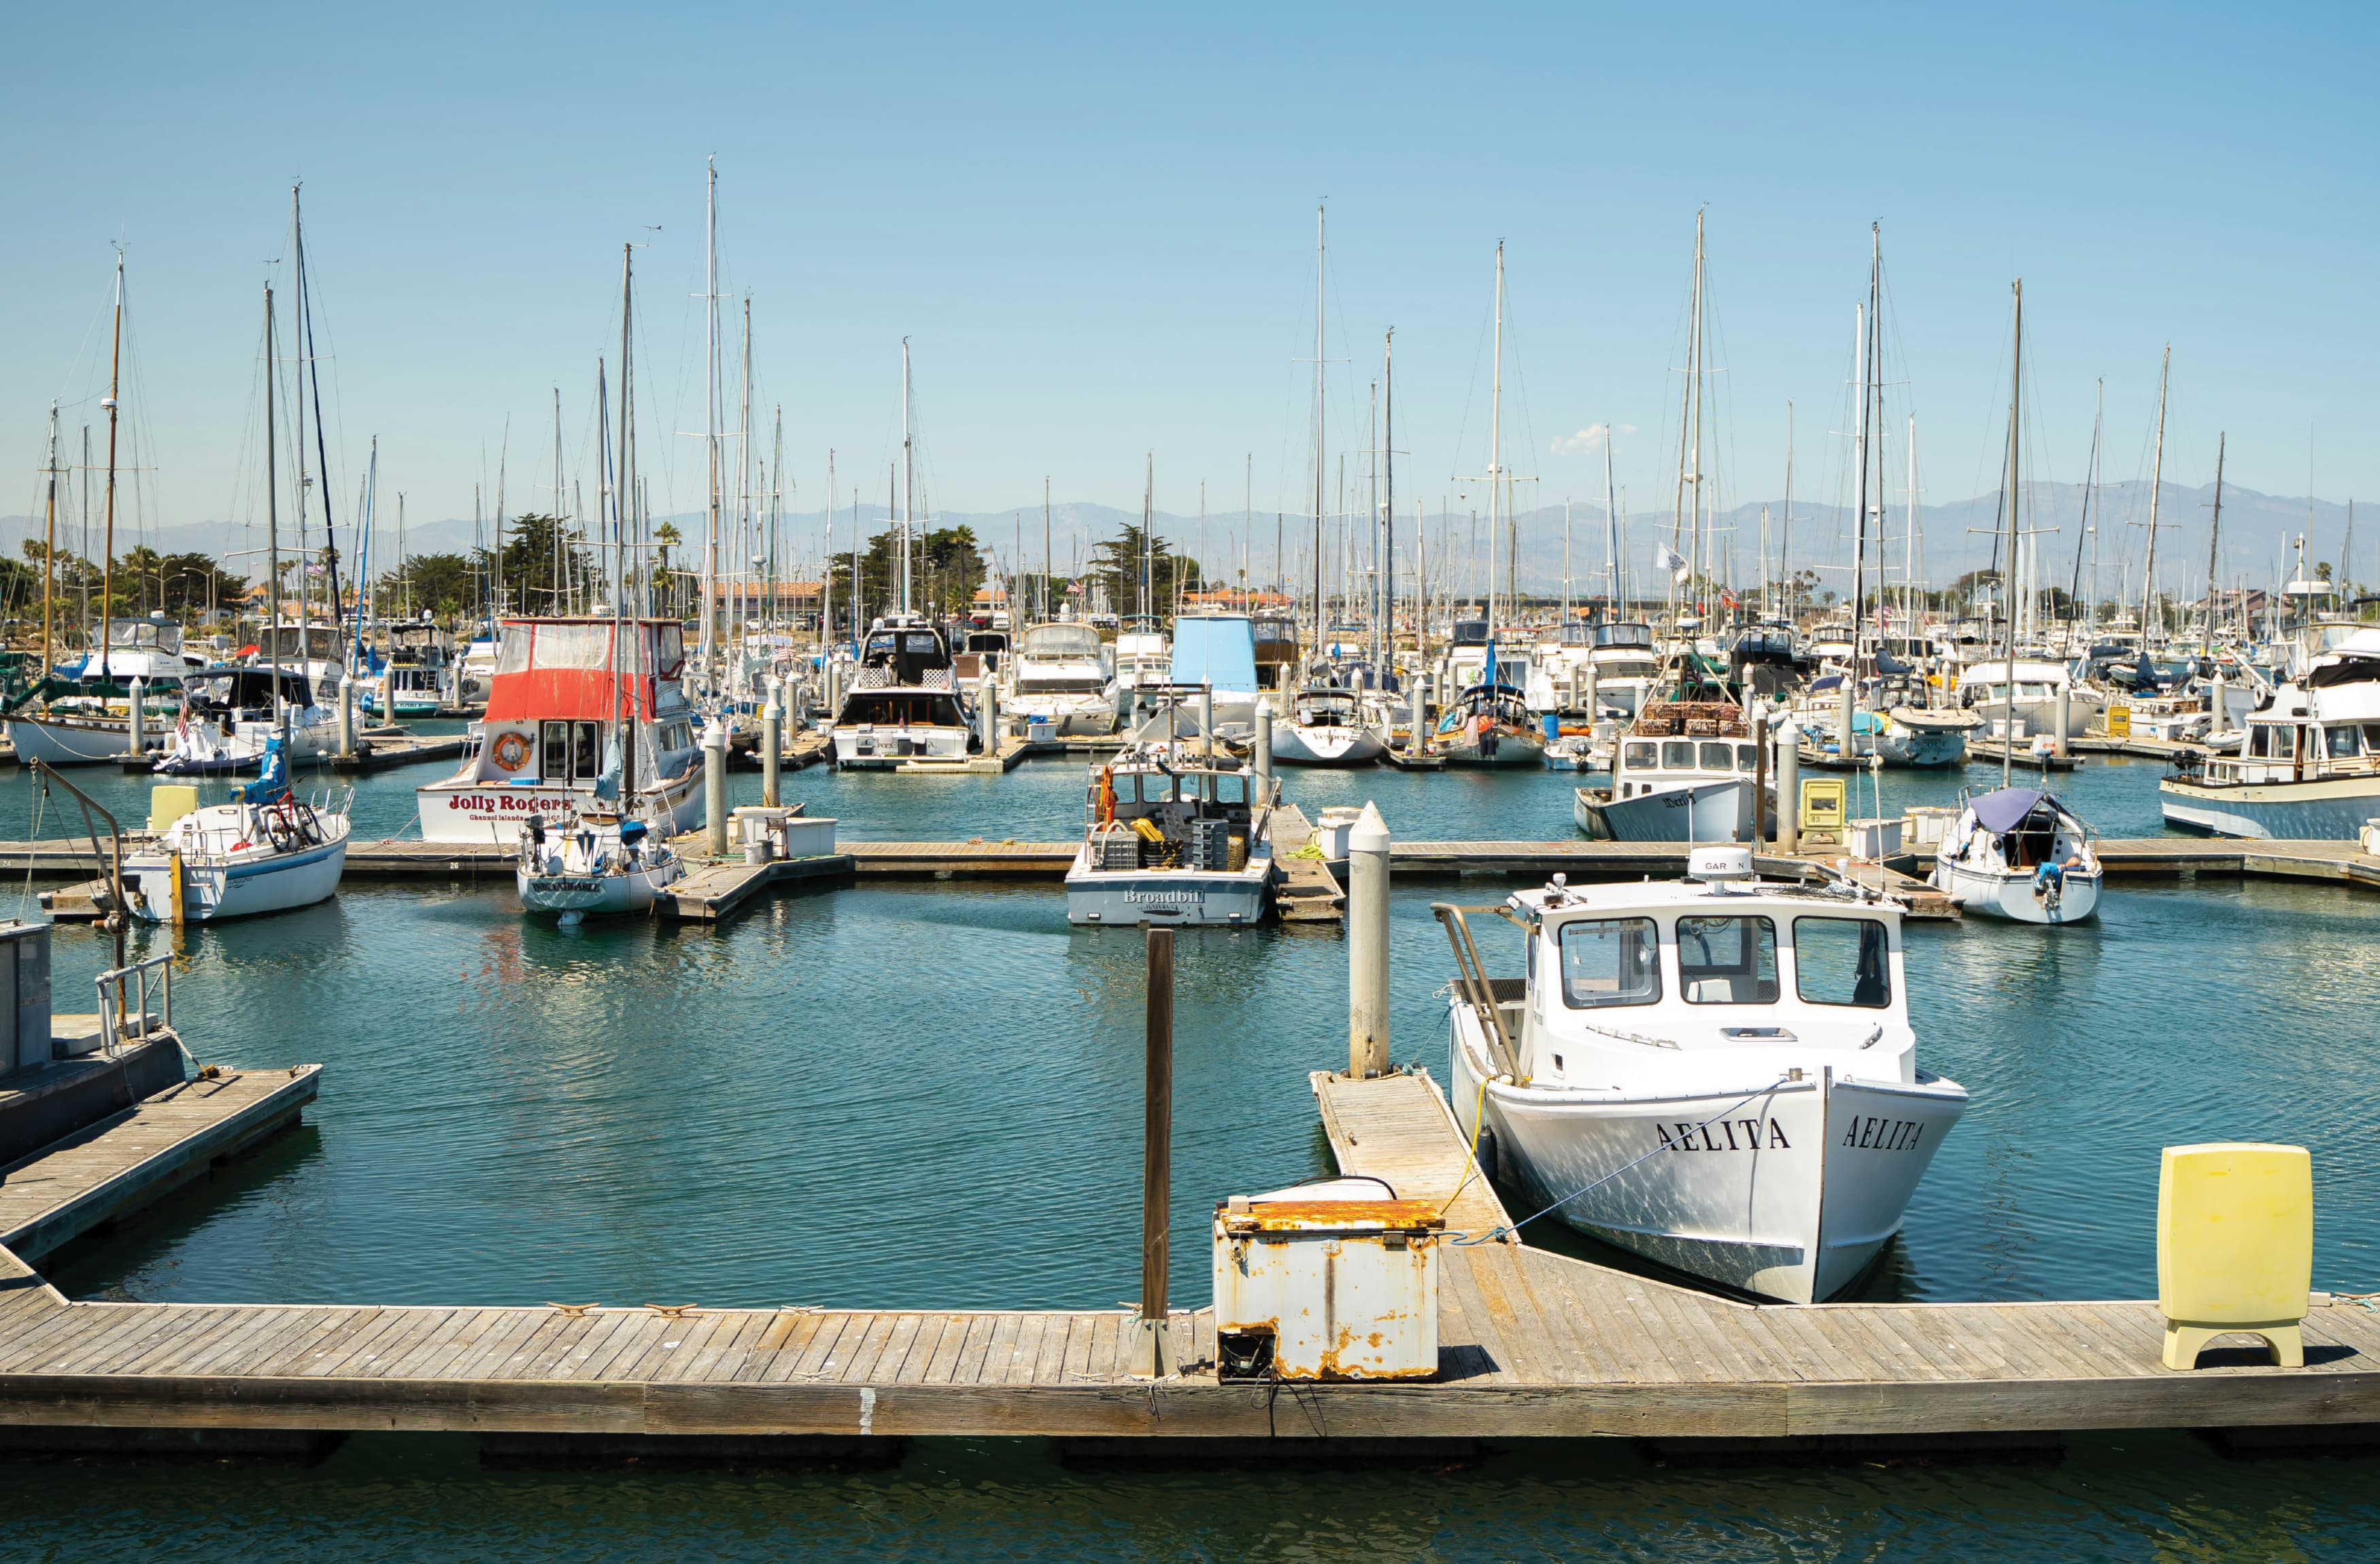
column 510, row 750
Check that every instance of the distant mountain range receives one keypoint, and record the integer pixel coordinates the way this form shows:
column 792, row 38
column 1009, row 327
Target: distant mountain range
column 2259, row 539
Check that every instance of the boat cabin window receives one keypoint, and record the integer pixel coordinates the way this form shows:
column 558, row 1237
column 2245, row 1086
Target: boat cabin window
column 571, row 751
column 1639, row 757
column 2259, row 739
column 1719, row 756
column 2343, row 744
column 1841, row 960
column 2372, row 739
column 1613, row 961
column 1678, row 754
column 1747, row 756
column 1727, row 961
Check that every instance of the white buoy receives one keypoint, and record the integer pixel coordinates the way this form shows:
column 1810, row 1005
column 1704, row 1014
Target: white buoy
column 1368, row 945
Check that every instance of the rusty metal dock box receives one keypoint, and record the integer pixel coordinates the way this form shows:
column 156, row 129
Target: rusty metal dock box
column 1333, row 1280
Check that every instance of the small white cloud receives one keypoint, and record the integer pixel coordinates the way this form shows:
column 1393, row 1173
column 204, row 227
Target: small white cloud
column 1591, row 438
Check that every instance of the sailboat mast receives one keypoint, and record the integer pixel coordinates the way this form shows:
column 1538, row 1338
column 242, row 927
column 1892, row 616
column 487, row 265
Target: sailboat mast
column 1785, row 524
column 1610, row 528
column 2214, row 543
column 622, row 494
column 1909, row 543
column 2156, row 482
column 908, row 475
column 50, row 542
column 2090, row 483
column 107, row 568
column 1495, row 469
column 1318, row 433
column 1387, row 635
column 272, row 525
column 2015, row 528
column 711, row 408
column 1695, row 474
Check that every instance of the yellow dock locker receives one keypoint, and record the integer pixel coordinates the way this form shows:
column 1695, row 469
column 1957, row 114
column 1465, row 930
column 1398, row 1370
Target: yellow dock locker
column 2235, row 1247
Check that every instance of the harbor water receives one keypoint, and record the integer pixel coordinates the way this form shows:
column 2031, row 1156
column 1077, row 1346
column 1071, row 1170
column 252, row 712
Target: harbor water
column 925, row 1095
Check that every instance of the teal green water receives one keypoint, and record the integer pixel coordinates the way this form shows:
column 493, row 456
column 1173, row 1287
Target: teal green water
column 921, row 1095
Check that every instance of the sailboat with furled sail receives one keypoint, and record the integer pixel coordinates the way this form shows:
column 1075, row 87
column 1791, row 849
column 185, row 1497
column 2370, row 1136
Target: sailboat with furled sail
column 603, row 857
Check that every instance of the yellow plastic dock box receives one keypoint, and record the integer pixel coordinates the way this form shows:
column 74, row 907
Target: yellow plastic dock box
column 169, row 802
column 2235, row 1247
column 1822, row 803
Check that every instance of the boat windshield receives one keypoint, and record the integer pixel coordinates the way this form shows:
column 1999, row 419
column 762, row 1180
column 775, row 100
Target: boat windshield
column 1841, row 960
column 1060, row 641
column 1728, row 961
column 1613, row 961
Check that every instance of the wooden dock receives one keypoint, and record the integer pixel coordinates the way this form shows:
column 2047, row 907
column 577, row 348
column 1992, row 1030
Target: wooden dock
column 714, row 890
column 1531, row 1344
column 138, row 1155
column 1307, row 892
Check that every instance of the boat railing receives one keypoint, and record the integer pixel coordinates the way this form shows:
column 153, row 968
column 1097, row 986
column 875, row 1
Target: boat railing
column 1476, row 989
column 119, row 1020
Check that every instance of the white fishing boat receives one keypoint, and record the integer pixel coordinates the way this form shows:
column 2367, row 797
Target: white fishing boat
column 1062, row 673
column 559, row 721
column 232, row 713
column 2019, row 854
column 595, row 863
column 263, row 852
column 1685, row 771
column 904, row 703
column 1175, row 832
column 1719, row 1076
column 1327, row 727
column 2305, row 766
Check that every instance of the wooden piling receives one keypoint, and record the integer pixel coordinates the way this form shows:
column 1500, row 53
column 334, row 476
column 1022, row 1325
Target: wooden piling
column 1152, row 1352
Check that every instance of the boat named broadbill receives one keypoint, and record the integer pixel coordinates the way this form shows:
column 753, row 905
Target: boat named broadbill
column 557, row 701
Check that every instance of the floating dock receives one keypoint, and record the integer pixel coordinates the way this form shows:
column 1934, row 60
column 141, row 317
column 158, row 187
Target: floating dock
column 1531, row 1344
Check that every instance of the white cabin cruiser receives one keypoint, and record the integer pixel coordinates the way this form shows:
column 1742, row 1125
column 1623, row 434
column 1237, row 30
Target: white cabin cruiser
column 594, row 863
column 1327, row 726
column 263, row 852
column 1984, row 687
column 2019, row 854
column 1174, row 833
column 1685, row 771
column 2307, row 765
column 1721, row 1076
column 1062, row 673
column 553, row 732
column 904, row 703
column 234, row 713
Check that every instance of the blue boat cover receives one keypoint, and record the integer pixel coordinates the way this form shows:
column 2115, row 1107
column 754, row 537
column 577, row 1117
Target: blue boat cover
column 1220, row 651
column 2005, row 808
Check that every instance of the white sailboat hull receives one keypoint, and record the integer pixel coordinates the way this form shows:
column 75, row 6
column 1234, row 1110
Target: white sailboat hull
column 618, row 891
column 2011, row 894
column 249, row 884
column 75, row 740
column 1297, row 744
column 1783, row 1189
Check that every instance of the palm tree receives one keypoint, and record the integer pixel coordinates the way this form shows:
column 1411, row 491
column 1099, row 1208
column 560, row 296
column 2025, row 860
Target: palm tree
column 665, row 536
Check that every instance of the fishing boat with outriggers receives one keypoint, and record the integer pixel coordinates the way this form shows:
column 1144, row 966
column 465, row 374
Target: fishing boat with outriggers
column 264, row 851
column 571, row 700
column 1176, row 831
column 1718, row 1074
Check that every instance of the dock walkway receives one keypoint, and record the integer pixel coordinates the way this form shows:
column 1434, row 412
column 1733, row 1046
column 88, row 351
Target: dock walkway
column 1531, row 1343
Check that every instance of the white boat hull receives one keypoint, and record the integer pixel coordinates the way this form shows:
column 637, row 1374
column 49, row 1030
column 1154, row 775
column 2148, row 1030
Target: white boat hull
column 470, row 810
column 1784, row 1190
column 631, row 891
column 1711, row 811
column 1174, row 898
column 2325, row 810
column 2010, row 893
column 1922, row 747
column 243, row 888
column 884, row 747
column 1069, row 713
column 70, row 741
column 1297, row 744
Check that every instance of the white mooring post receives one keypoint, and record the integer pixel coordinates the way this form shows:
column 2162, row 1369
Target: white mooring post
column 2064, row 731
column 1789, row 788
column 1263, row 756
column 990, row 690
column 714, row 785
column 346, row 715
column 772, row 740
column 1368, row 945
column 137, row 733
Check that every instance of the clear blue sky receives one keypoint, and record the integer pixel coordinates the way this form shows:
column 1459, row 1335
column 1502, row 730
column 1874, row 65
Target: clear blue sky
column 1096, row 226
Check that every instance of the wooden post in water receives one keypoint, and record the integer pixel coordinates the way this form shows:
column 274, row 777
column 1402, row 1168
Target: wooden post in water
column 1152, row 1348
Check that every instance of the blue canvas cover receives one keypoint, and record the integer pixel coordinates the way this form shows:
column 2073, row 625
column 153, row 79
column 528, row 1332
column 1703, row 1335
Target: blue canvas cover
column 2005, row 808
column 272, row 784
column 1219, row 650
